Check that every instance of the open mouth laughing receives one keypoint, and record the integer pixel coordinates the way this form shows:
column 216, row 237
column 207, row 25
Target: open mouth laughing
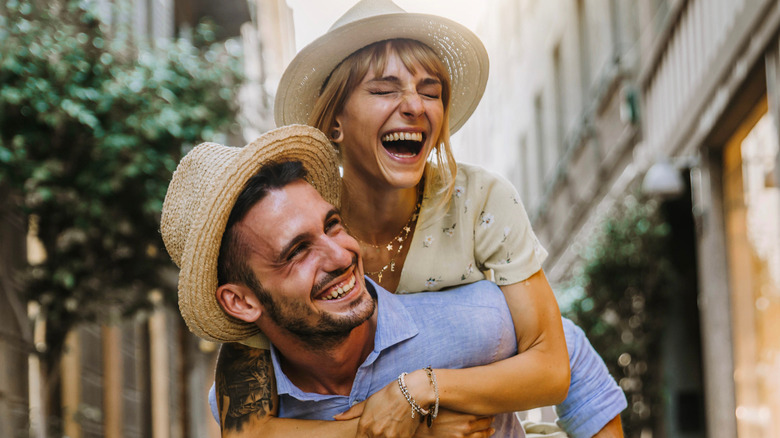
column 340, row 290
column 403, row 144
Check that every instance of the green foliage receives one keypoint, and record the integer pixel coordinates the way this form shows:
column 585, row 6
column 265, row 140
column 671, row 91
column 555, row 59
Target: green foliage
column 91, row 129
column 626, row 278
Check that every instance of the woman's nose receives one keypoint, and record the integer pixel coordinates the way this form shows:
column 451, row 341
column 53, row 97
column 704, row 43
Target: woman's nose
column 412, row 105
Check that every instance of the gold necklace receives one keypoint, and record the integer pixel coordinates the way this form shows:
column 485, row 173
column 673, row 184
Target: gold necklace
column 401, row 237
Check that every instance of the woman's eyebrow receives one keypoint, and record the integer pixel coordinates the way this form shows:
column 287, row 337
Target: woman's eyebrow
column 430, row 81
column 395, row 80
column 391, row 79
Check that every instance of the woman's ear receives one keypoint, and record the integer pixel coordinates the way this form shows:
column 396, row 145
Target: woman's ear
column 336, row 134
column 239, row 301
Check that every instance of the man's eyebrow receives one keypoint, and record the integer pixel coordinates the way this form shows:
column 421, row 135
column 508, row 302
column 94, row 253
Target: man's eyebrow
column 332, row 212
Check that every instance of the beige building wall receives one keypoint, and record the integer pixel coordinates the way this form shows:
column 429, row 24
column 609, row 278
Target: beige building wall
column 554, row 119
column 269, row 45
column 586, row 95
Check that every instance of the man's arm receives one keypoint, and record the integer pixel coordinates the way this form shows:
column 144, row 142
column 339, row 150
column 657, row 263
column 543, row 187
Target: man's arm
column 246, row 387
column 595, row 400
column 613, row 429
column 248, row 403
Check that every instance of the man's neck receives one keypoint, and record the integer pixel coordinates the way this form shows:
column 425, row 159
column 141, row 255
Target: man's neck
column 328, row 370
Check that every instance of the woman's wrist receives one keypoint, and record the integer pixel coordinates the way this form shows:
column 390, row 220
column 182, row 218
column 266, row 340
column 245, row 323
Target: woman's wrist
column 420, row 388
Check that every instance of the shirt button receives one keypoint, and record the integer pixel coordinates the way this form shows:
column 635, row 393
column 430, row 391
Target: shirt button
column 356, row 401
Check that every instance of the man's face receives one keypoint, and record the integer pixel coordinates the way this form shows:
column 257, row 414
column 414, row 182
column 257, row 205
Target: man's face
column 306, row 263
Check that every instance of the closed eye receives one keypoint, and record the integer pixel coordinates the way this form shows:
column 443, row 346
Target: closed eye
column 334, row 224
column 431, row 91
column 381, row 92
column 296, row 251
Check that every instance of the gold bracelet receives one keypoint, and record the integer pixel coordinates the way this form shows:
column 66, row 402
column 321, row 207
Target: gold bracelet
column 434, row 408
column 405, row 391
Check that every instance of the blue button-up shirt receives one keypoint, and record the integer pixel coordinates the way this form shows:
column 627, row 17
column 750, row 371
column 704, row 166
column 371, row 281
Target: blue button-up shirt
column 465, row 327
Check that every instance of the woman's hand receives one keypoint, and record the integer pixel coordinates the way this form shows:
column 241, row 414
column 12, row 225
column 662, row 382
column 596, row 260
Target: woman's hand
column 387, row 413
column 451, row 424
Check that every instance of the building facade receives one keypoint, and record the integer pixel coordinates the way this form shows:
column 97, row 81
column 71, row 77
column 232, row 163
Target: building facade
column 586, row 97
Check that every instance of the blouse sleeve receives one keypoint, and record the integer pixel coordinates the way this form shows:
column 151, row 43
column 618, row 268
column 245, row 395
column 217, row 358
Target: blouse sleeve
column 504, row 241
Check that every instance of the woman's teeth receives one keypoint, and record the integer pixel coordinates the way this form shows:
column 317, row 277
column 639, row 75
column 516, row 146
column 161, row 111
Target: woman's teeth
column 341, row 290
column 395, row 136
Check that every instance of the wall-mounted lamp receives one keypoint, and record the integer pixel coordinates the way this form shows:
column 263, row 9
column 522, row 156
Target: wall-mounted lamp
column 664, row 178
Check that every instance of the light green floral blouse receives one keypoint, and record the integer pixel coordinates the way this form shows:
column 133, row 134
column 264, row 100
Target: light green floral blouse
column 485, row 227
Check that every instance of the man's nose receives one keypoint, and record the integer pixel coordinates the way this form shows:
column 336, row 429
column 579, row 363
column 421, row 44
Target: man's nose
column 335, row 255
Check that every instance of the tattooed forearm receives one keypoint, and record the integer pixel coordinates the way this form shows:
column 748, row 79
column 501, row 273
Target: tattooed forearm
column 246, row 388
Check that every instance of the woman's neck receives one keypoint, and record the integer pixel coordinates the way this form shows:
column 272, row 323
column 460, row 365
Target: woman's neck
column 376, row 215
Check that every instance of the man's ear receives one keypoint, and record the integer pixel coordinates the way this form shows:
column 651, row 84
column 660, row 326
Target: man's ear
column 239, row 301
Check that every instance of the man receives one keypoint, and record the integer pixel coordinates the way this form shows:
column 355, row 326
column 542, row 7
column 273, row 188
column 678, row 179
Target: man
column 338, row 339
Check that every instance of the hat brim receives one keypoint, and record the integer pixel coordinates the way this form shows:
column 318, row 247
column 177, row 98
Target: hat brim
column 222, row 185
column 461, row 51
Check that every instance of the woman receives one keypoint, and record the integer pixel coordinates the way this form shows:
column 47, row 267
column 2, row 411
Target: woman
column 385, row 105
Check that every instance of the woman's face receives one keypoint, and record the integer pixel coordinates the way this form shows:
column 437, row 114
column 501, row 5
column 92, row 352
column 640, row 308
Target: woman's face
column 390, row 124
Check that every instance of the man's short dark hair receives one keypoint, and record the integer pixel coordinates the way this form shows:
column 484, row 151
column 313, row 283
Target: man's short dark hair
column 233, row 252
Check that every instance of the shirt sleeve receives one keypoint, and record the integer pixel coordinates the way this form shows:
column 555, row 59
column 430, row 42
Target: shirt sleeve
column 594, row 398
column 504, row 241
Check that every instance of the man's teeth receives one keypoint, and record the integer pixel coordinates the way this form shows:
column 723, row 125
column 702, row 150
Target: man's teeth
column 395, row 136
column 341, row 290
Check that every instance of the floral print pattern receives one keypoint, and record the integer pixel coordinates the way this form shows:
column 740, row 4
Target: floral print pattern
column 486, row 211
column 486, row 219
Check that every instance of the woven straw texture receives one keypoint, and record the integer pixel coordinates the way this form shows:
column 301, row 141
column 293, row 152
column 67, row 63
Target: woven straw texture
column 371, row 21
column 197, row 205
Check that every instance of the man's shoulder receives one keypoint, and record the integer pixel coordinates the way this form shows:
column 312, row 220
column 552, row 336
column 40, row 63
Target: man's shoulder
column 481, row 293
column 479, row 301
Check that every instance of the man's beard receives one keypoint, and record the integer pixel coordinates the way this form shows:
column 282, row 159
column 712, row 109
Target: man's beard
column 326, row 331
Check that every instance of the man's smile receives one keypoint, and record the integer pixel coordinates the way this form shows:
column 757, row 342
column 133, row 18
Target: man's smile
column 339, row 290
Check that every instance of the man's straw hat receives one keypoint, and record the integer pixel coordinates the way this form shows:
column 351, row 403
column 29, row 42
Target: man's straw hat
column 199, row 200
column 371, row 21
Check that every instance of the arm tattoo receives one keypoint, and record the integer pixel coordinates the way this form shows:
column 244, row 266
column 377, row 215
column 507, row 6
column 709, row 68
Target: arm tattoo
column 246, row 387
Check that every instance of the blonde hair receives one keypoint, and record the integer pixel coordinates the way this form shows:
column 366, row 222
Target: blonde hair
column 439, row 176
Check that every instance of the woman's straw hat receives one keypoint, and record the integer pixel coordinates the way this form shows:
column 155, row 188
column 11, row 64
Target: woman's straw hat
column 199, row 200
column 371, row 21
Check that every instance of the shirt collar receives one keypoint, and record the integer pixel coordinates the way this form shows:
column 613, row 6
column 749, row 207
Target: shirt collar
column 394, row 325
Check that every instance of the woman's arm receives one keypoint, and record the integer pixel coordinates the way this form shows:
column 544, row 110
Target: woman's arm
column 248, row 403
column 537, row 376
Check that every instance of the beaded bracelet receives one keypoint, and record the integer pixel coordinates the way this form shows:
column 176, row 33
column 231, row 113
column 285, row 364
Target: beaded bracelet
column 405, row 391
column 433, row 409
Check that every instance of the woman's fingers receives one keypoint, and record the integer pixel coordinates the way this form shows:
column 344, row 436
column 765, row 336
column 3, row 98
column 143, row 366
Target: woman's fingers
column 353, row 412
column 453, row 424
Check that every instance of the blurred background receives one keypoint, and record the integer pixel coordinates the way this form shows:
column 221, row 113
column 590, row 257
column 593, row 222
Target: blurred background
column 642, row 136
